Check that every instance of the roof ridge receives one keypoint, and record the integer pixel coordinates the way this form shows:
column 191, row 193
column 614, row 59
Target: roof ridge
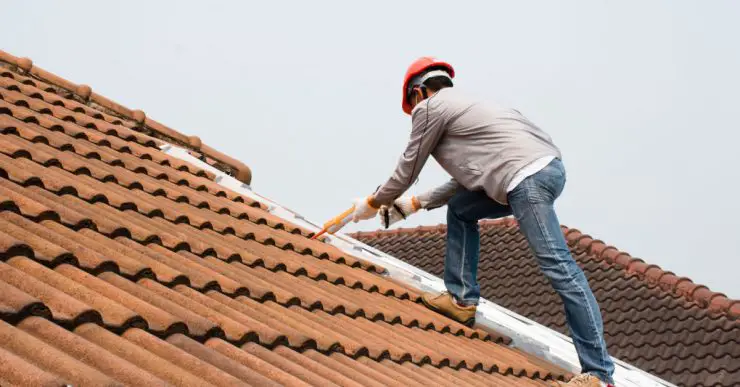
column 667, row 280
column 85, row 95
column 600, row 251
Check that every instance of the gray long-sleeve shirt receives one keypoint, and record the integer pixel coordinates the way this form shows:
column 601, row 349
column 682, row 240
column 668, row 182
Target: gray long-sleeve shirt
column 481, row 145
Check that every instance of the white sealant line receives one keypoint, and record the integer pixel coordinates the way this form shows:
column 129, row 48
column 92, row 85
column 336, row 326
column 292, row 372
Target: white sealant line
column 526, row 334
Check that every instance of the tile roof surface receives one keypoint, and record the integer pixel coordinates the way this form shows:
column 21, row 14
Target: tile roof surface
column 124, row 265
column 664, row 324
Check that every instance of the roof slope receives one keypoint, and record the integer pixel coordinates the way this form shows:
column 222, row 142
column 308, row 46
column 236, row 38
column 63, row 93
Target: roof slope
column 120, row 263
column 664, row 324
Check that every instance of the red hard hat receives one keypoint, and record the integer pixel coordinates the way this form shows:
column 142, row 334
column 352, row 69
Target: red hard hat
column 419, row 66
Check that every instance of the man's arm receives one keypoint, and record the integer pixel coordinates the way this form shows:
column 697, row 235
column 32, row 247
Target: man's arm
column 427, row 129
column 439, row 196
column 405, row 206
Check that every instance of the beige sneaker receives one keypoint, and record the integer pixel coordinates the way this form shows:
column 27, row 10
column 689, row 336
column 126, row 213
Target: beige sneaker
column 443, row 303
column 584, row 380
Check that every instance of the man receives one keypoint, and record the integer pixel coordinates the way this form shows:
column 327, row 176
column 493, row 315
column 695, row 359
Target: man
column 501, row 164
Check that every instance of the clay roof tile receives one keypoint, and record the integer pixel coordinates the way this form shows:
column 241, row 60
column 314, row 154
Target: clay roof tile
column 123, row 262
column 653, row 318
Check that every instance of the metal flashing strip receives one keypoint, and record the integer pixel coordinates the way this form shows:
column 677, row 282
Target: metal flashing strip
column 526, row 334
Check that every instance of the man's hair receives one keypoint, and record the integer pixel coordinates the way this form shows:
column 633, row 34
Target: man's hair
column 438, row 83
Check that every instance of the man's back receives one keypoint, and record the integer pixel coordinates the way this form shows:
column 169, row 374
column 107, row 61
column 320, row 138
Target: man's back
column 483, row 144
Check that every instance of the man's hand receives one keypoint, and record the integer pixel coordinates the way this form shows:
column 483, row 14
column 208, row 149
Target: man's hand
column 401, row 208
column 363, row 209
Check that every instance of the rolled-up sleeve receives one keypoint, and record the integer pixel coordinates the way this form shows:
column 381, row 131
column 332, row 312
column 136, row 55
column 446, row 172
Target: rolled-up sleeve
column 438, row 196
column 427, row 129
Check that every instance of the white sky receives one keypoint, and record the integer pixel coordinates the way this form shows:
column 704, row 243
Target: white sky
column 641, row 97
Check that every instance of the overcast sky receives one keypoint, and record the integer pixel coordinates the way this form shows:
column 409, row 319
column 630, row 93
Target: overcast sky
column 641, row 97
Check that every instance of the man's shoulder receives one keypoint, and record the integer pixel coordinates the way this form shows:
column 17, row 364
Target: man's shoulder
column 465, row 102
column 452, row 96
column 451, row 100
column 451, row 93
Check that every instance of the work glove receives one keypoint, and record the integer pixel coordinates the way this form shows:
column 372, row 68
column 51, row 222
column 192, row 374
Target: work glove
column 363, row 209
column 401, row 208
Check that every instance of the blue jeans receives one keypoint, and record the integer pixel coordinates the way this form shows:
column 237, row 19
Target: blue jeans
column 531, row 203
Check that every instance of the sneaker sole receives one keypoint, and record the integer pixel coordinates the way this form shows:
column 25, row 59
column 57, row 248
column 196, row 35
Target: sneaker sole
column 468, row 323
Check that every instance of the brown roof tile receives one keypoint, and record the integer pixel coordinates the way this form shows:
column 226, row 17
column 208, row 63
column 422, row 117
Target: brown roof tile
column 114, row 315
column 138, row 356
column 17, row 371
column 24, row 71
column 87, row 352
column 653, row 319
column 17, row 304
column 65, row 309
column 181, row 358
column 220, row 361
column 124, row 265
column 47, row 356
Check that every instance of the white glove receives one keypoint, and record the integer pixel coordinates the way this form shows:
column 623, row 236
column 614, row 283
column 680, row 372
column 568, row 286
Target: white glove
column 401, row 208
column 363, row 209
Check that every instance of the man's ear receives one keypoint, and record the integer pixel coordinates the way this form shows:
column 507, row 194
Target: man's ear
column 418, row 95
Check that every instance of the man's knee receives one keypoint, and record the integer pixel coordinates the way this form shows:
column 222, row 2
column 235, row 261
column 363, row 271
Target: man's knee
column 563, row 275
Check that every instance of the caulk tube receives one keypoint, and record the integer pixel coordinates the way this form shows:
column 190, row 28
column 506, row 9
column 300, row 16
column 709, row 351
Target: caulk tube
column 340, row 221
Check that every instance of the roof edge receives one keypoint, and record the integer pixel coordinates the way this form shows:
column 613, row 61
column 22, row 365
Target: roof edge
column 84, row 94
column 598, row 250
